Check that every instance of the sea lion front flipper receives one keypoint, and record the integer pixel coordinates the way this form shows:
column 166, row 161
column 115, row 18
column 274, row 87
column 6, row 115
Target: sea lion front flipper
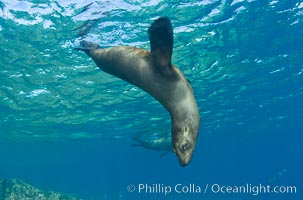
column 161, row 42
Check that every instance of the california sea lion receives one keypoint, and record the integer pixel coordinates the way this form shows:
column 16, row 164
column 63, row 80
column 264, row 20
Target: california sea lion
column 154, row 73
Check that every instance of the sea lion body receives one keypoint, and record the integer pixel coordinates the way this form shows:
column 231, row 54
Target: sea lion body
column 153, row 73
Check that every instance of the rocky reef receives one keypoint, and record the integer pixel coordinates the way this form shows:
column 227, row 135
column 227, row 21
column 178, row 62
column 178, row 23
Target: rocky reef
column 13, row 189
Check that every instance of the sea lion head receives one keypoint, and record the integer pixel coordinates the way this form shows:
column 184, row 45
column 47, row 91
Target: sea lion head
column 184, row 140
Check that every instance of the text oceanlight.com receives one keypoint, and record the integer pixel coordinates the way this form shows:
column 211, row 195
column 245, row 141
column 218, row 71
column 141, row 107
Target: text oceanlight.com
column 179, row 188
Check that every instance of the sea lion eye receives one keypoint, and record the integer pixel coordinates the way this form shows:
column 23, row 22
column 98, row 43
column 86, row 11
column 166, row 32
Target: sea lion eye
column 185, row 146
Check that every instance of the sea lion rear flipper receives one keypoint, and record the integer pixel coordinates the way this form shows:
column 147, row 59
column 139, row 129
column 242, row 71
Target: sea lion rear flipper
column 161, row 42
column 87, row 46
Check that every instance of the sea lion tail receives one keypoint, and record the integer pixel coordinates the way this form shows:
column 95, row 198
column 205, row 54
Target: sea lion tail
column 87, row 47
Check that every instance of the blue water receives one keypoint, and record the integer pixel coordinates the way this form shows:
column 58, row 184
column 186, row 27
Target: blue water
column 69, row 127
